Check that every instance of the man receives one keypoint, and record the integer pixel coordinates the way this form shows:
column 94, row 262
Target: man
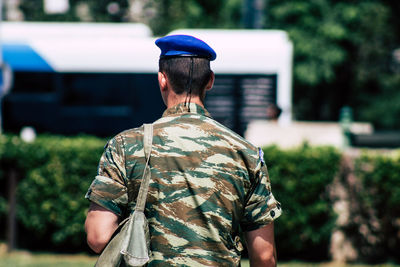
column 207, row 183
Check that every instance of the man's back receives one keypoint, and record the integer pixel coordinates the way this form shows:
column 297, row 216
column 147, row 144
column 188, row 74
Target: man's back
column 202, row 177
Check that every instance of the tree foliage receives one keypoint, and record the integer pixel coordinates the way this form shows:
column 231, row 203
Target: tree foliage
column 88, row 10
column 175, row 14
column 342, row 52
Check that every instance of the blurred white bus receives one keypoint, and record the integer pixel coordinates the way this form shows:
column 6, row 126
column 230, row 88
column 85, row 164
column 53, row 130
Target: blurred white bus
column 101, row 78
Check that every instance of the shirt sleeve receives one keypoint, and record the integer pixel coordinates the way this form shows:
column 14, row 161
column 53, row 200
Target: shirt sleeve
column 109, row 189
column 261, row 207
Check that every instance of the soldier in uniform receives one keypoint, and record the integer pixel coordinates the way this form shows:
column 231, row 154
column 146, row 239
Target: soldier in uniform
column 207, row 183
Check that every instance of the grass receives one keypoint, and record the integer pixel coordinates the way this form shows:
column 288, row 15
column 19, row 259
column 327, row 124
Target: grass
column 23, row 259
column 27, row 259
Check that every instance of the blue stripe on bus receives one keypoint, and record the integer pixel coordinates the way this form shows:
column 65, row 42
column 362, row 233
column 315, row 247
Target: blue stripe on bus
column 21, row 57
column 1, row 81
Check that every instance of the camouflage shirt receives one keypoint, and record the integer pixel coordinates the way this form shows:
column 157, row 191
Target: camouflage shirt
column 206, row 184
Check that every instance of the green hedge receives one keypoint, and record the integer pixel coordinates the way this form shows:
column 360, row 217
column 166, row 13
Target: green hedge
column 55, row 173
column 379, row 237
column 299, row 180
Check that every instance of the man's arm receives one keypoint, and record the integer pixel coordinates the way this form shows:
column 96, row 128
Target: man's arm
column 100, row 224
column 261, row 246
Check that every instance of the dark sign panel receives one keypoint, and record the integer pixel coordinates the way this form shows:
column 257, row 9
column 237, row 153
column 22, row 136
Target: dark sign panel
column 221, row 100
column 236, row 100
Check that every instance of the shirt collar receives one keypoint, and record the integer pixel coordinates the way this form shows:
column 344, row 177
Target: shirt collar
column 191, row 108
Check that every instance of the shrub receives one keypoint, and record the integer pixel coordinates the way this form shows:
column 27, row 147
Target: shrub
column 56, row 171
column 379, row 238
column 299, row 180
column 55, row 174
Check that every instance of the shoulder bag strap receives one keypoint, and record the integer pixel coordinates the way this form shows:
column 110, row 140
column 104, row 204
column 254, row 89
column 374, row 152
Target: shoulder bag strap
column 144, row 185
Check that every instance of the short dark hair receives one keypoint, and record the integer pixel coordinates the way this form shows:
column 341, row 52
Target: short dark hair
column 177, row 69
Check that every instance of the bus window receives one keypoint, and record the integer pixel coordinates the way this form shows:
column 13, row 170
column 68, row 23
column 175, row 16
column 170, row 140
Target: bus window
column 33, row 82
column 91, row 89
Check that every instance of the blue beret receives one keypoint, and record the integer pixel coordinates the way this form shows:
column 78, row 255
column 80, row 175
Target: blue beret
column 184, row 45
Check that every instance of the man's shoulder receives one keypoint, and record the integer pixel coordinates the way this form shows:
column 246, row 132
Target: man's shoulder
column 130, row 133
column 232, row 137
column 126, row 137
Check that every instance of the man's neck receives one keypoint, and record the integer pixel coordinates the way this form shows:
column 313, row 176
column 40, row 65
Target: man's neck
column 178, row 100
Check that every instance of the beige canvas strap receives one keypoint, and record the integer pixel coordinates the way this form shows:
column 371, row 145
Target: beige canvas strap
column 144, row 185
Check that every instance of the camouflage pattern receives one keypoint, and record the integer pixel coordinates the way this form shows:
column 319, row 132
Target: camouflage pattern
column 206, row 184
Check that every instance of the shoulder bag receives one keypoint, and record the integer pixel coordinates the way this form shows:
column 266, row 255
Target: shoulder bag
column 130, row 245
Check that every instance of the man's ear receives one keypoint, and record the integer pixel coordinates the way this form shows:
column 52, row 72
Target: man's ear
column 211, row 81
column 162, row 81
